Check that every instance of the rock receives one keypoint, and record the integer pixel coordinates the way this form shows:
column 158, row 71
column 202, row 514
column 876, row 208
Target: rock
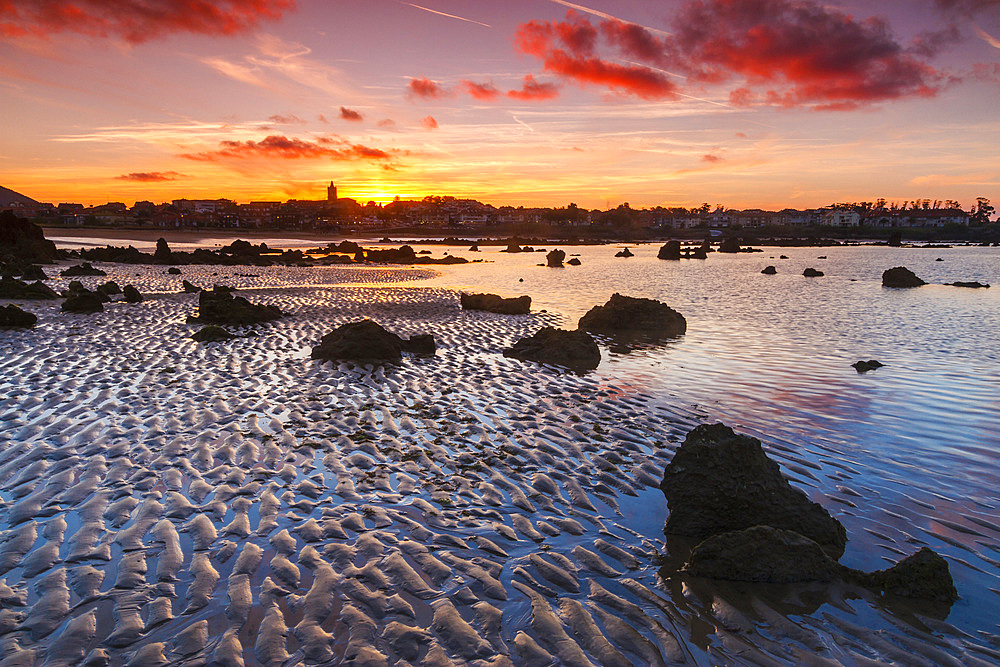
column 24, row 240
column 630, row 316
column 572, row 349
column 174, row 271
column 624, row 253
column 555, row 259
column 403, row 255
column 670, row 250
column 219, row 306
column 762, row 554
column 212, row 333
column 973, row 285
column 783, row 257
column 109, row 288
column 162, row 254
column 474, row 248
column 730, row 245
column 769, row 270
column 812, row 273
column 513, row 247
column 493, row 303
column 84, row 302
column 718, row 481
column 11, row 316
column 575, row 261
column 924, row 575
column 865, row 366
column 900, row 276
column 132, row 294
column 189, row 288
column 368, row 341
column 938, row 260
column 33, row 272
column 84, row 269
column 12, row 288
column 895, row 239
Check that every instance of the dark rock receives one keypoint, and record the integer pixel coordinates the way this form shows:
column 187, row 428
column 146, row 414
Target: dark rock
column 162, row 254
column 219, row 306
column 895, row 239
column 11, row 316
column 212, row 334
column 730, row 245
column 474, row 248
column 769, row 270
column 938, row 260
column 974, row 285
column 174, row 271
column 924, row 575
column 762, row 554
column 189, row 288
column 572, row 349
column 447, row 259
column 513, row 247
column 575, row 261
column 109, row 288
column 12, row 288
column 701, row 252
column 24, row 240
column 624, row 253
column 630, row 316
column 493, row 303
column 865, row 366
column 783, row 257
column 402, row 255
column 555, row 259
column 84, row 302
column 812, row 273
column 84, row 269
column 347, row 247
column 821, row 257
column 33, row 272
column 368, row 341
column 900, row 276
column 132, row 295
column 718, row 481
column 670, row 250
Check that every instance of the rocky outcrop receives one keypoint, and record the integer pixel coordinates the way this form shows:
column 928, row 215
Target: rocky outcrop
column 573, row 349
column 493, row 303
column 189, row 288
column 212, row 333
column 812, row 273
column 84, row 302
column 162, row 255
column 131, row 294
column 730, row 245
column 555, row 259
column 624, row 253
column 670, row 250
column 367, row 341
column 219, row 306
column 13, row 317
column 865, row 366
column 719, row 481
column 84, row 269
column 12, row 288
column 900, row 276
column 402, row 255
column 769, row 270
column 24, row 241
column 634, row 317
column 762, row 554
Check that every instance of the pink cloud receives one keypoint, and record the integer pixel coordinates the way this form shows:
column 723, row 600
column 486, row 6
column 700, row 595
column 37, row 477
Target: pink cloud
column 532, row 90
column 485, row 92
column 351, row 114
column 426, row 89
column 282, row 147
column 429, row 122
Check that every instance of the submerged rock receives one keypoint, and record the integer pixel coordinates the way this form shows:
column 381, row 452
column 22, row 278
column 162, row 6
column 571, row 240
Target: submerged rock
column 769, row 270
column 574, row 349
column 631, row 316
column 555, row 259
column 13, row 317
column 670, row 250
column 973, row 285
column 368, row 341
column 812, row 273
column 493, row 303
column 12, row 288
column 719, row 481
column 219, row 306
column 131, row 294
column 84, row 301
column 84, row 269
column 212, row 333
column 900, row 276
column 865, row 366
column 762, row 554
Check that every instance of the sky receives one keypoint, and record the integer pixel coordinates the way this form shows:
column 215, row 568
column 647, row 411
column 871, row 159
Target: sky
column 741, row 103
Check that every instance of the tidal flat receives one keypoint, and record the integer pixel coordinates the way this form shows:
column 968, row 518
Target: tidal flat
column 171, row 502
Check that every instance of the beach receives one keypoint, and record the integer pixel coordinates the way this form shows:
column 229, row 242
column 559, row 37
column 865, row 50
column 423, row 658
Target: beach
column 171, row 502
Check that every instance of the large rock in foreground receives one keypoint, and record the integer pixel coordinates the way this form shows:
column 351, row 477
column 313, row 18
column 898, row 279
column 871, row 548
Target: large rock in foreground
column 634, row 317
column 368, row 341
column 493, row 303
column 24, row 240
column 762, row 554
column 219, row 306
column 572, row 349
column 13, row 317
column 900, row 276
column 719, row 481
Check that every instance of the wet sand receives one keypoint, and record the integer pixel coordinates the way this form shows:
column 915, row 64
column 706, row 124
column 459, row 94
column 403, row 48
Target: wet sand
column 237, row 503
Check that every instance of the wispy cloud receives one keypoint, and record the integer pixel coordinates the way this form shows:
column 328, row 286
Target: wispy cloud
column 986, row 37
column 290, row 148
column 451, row 16
column 150, row 176
column 605, row 15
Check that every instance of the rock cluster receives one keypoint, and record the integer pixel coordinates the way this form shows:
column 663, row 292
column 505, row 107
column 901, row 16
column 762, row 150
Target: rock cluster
column 13, row 317
column 576, row 350
column 12, row 288
column 730, row 245
column 971, row 284
column 368, row 341
column 900, row 276
column 84, row 269
column 219, row 306
column 493, row 303
column 555, row 259
column 634, row 317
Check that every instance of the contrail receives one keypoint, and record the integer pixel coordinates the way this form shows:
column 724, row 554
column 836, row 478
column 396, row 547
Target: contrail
column 451, row 16
column 987, row 37
column 604, row 15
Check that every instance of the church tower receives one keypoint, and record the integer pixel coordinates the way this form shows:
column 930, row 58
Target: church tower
column 331, row 192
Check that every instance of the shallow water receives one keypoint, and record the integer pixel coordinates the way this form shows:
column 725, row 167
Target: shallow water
column 507, row 471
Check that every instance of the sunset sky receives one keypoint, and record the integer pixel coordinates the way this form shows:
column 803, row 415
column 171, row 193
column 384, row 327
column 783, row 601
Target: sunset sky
column 746, row 103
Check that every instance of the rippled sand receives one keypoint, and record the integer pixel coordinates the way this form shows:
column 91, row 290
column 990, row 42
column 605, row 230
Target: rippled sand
column 170, row 502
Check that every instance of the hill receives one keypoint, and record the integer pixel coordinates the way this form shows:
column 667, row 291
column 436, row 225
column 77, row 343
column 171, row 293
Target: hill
column 9, row 197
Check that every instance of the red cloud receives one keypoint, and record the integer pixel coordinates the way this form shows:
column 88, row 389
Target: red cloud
column 784, row 52
column 136, row 20
column 531, row 90
column 485, row 92
column 278, row 146
column 150, row 176
column 285, row 120
column 350, row 114
column 710, row 158
column 429, row 123
column 426, row 89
